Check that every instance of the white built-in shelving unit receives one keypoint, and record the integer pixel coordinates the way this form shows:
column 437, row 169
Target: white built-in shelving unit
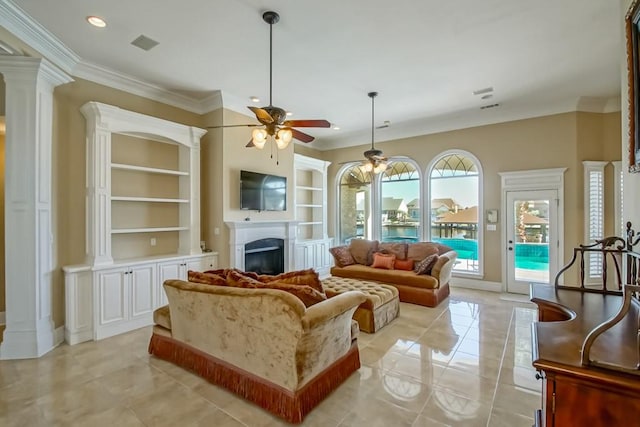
column 312, row 241
column 143, row 187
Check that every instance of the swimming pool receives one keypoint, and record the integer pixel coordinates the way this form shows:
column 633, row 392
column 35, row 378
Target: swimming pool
column 529, row 256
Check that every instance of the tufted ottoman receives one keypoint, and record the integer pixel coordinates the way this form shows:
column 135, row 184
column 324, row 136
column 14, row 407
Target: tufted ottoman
column 382, row 304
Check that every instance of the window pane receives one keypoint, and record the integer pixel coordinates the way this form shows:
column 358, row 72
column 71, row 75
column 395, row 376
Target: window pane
column 355, row 212
column 400, row 208
column 454, row 208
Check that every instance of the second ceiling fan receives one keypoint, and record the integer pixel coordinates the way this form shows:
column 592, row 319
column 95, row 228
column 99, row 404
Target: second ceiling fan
column 274, row 118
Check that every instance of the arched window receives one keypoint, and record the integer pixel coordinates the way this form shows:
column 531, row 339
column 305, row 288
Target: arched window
column 354, row 203
column 455, row 182
column 400, row 217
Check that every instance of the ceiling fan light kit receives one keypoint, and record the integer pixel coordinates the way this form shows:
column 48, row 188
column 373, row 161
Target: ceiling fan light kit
column 274, row 118
column 375, row 162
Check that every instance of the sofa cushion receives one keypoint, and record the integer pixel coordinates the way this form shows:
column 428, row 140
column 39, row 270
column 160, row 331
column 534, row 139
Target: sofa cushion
column 306, row 294
column 362, row 250
column 397, row 249
column 162, row 317
column 385, row 261
column 342, row 256
column 206, row 278
column 393, row 277
column 403, row 264
column 425, row 266
column 239, row 280
column 420, row 250
column 308, row 277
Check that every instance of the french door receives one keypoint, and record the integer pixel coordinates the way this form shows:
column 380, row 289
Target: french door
column 531, row 238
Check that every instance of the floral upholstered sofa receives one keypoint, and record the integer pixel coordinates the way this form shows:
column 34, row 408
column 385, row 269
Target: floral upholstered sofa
column 420, row 271
column 261, row 343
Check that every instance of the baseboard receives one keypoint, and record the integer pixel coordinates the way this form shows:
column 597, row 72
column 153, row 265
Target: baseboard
column 481, row 285
column 3, row 318
column 58, row 336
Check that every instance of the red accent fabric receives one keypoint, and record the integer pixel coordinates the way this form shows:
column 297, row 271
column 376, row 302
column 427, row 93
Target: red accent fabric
column 291, row 406
column 403, row 264
column 385, row 261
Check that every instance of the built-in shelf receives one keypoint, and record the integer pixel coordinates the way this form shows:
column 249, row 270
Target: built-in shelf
column 310, row 223
column 304, row 187
column 146, row 230
column 122, row 166
column 147, row 199
column 307, row 205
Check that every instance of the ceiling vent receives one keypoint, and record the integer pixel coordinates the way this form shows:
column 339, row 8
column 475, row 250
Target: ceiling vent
column 484, row 107
column 483, row 91
column 144, row 42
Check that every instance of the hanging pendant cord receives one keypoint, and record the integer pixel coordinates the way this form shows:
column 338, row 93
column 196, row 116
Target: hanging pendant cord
column 372, row 119
column 270, row 63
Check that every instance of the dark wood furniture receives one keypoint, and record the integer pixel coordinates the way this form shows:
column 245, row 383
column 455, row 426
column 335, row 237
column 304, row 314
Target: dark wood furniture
column 587, row 362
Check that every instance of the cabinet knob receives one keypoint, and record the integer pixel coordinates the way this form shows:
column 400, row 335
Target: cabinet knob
column 539, row 376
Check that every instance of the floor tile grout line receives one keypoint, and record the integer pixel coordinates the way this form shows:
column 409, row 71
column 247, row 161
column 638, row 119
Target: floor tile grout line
column 504, row 351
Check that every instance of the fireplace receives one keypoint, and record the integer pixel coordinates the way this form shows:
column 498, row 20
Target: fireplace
column 243, row 234
column 264, row 256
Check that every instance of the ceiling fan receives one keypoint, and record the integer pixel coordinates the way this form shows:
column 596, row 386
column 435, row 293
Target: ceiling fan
column 375, row 162
column 272, row 117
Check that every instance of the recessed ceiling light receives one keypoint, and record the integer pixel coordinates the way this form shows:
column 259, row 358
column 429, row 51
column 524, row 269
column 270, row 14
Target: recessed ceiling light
column 254, row 99
column 336, row 128
column 96, row 21
column 289, row 113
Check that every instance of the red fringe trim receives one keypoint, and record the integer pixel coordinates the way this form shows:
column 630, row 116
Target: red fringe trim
column 291, row 406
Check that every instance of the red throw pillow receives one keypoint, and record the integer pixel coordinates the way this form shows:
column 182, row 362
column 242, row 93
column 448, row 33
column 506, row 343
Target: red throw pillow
column 403, row 264
column 385, row 261
column 239, row 280
column 206, row 278
column 307, row 277
column 425, row 266
column 306, row 294
column 342, row 256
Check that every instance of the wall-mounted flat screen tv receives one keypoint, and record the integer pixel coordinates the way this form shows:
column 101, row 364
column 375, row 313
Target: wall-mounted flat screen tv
column 262, row 192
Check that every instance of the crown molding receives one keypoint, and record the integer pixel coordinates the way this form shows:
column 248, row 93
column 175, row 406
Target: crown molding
column 113, row 79
column 590, row 104
column 17, row 22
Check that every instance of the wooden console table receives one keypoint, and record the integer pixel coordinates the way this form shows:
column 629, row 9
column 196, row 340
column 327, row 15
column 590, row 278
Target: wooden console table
column 574, row 394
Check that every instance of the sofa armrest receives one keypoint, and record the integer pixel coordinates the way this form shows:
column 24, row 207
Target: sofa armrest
column 444, row 266
column 332, row 307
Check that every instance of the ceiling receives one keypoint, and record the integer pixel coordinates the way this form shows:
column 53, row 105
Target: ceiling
column 424, row 57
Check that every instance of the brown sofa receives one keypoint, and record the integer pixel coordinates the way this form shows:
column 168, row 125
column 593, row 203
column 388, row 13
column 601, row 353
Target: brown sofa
column 262, row 344
column 424, row 289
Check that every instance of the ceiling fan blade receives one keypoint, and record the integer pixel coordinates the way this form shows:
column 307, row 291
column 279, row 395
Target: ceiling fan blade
column 301, row 136
column 250, row 144
column 233, row 126
column 261, row 114
column 307, row 123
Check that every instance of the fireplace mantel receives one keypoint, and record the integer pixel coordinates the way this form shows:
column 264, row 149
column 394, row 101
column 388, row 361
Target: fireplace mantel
column 243, row 232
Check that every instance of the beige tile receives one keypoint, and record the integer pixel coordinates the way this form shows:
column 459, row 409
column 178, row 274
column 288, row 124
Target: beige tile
column 472, row 387
column 451, row 409
column 172, row 405
column 505, row 418
column 453, row 351
column 476, row 365
column 375, row 412
column 517, row 400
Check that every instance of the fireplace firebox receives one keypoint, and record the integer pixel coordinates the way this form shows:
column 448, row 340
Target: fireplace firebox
column 264, row 256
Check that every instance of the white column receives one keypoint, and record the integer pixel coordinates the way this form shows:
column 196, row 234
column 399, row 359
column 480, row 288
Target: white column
column 28, row 231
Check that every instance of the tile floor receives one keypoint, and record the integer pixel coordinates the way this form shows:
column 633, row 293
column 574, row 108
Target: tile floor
column 464, row 363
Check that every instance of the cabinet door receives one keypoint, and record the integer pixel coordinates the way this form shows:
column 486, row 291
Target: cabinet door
column 142, row 278
column 166, row 270
column 210, row 262
column 112, row 296
column 195, row 264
